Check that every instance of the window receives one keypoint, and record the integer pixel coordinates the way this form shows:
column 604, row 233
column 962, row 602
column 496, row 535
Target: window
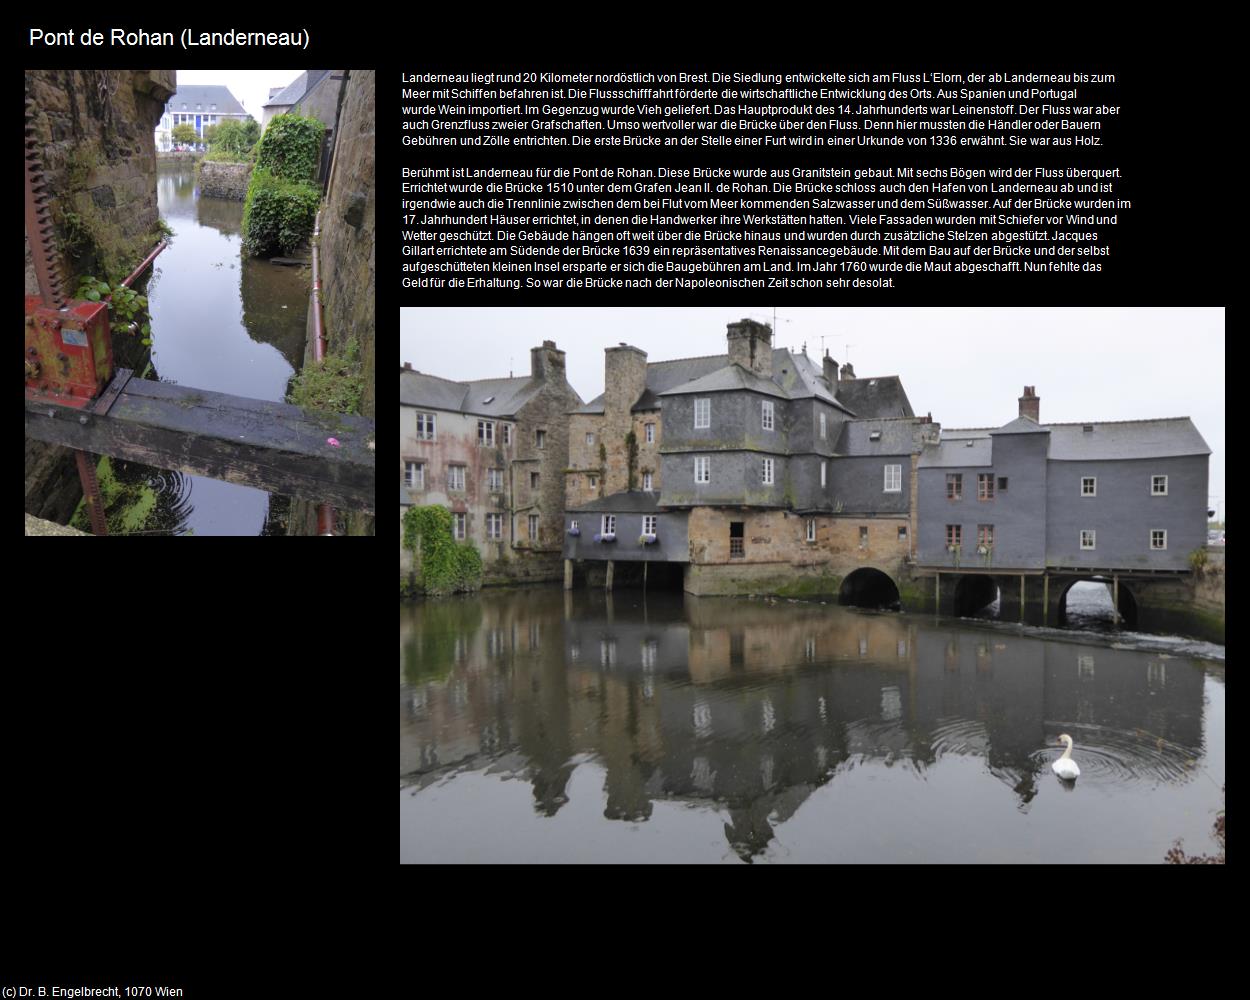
column 650, row 433
column 573, row 525
column 737, row 540
column 822, row 426
column 811, row 529
column 985, row 536
column 1158, row 486
column 985, row 486
column 594, row 482
column 609, row 524
column 902, row 533
column 540, row 439
column 457, row 524
column 533, row 480
column 1087, row 538
column 648, row 524
column 507, row 434
column 893, row 479
column 455, row 477
column 701, row 471
column 822, row 475
column 1158, row 539
column 590, row 438
column 646, row 481
column 702, row 413
column 1089, row 486
column 768, row 472
column 1002, row 484
column 954, row 535
column 494, row 526
column 766, row 417
column 863, row 536
column 533, row 527
column 414, row 475
column 494, row 478
column 954, row 486
column 425, row 426
column 486, row 433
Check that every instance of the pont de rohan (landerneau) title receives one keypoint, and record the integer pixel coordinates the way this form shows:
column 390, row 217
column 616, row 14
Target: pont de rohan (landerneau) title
column 188, row 38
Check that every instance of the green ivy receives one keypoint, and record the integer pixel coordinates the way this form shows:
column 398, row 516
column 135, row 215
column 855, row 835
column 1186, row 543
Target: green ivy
column 291, row 147
column 447, row 567
column 278, row 214
column 127, row 306
column 631, row 456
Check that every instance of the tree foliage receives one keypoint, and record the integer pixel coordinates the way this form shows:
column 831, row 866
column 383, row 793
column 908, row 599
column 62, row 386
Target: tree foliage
column 184, row 133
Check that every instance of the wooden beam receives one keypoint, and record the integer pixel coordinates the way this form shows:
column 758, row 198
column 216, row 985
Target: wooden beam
column 253, row 442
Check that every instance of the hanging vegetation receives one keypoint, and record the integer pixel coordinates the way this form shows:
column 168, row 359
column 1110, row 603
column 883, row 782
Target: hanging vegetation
column 446, row 566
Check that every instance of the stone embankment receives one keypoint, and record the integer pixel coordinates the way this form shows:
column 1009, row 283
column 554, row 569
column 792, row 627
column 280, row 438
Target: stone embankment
column 224, row 180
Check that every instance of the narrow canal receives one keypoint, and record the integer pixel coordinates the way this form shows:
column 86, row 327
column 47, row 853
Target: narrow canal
column 537, row 725
column 223, row 322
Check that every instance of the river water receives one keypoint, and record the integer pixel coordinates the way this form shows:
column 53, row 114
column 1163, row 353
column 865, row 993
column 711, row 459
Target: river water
column 223, row 322
column 540, row 726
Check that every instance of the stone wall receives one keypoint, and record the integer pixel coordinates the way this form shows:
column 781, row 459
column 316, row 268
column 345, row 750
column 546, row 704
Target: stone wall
column 224, row 180
column 94, row 131
column 347, row 261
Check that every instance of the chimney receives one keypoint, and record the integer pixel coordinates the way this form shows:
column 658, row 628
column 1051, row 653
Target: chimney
column 831, row 371
column 625, row 379
column 408, row 365
column 848, row 372
column 1030, row 404
column 547, row 362
column 750, row 345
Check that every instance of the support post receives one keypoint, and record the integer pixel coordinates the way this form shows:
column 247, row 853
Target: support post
column 937, row 595
column 608, row 583
column 1021, row 598
column 568, row 574
column 1045, row 598
column 1115, row 600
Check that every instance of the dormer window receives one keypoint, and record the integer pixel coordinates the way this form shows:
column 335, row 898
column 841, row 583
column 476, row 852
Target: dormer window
column 874, row 436
column 1088, row 428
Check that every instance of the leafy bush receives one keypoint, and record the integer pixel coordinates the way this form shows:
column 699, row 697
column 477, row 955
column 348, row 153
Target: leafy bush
column 232, row 138
column 126, row 306
column 291, row 147
column 447, row 567
column 278, row 214
column 336, row 383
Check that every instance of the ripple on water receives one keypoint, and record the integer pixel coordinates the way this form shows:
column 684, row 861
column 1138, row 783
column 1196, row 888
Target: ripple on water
column 1124, row 757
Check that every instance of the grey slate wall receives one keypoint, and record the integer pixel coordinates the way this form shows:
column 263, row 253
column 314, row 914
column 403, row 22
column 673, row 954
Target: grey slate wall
column 735, row 478
column 859, row 485
column 1123, row 512
column 735, row 423
column 671, row 531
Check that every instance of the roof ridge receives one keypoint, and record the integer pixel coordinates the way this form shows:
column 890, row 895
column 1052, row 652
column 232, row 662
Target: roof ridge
column 417, row 371
column 1143, row 420
column 696, row 357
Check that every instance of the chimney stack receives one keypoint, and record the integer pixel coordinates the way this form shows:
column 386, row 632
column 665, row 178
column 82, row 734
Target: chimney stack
column 408, row 365
column 831, row 370
column 1030, row 404
column 848, row 372
column 547, row 361
column 750, row 345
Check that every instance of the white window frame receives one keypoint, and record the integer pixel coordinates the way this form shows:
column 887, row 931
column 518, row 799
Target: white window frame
column 897, row 478
column 1158, row 531
column 455, row 483
column 648, row 524
column 534, row 524
column 766, row 414
column 608, row 524
column 1093, row 486
column 1093, row 539
column 650, row 433
column 822, row 426
column 590, row 437
column 702, row 469
column 426, row 427
column 811, row 529
column 823, row 479
column 540, row 439
column 594, row 481
column 494, row 526
column 459, row 525
column 702, row 412
column 507, row 435
column 494, row 477
column 646, row 482
column 414, row 475
column 1158, row 493
column 486, row 433
column 766, row 473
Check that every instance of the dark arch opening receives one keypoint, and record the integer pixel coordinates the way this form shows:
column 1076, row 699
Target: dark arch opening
column 869, row 588
column 1094, row 610
column 973, row 593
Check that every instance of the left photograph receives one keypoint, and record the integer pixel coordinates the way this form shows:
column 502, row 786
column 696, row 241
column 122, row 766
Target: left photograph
column 199, row 302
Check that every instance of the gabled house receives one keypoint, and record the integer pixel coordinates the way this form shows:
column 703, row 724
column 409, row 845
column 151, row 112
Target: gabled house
column 198, row 105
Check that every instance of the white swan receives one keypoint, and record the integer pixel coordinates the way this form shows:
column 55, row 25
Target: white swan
column 1065, row 766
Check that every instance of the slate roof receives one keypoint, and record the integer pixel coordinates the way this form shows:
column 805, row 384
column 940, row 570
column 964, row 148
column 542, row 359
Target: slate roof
column 801, row 377
column 727, row 379
column 625, row 502
column 434, row 393
column 206, row 96
column 874, row 397
column 1022, row 425
column 957, row 453
column 297, row 88
column 897, row 437
column 1167, row 437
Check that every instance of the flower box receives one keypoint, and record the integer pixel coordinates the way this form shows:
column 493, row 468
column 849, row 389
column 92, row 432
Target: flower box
column 575, row 531
column 607, row 536
column 647, row 539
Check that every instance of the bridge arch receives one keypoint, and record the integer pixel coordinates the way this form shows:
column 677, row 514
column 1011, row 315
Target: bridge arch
column 868, row 587
column 1128, row 604
column 974, row 592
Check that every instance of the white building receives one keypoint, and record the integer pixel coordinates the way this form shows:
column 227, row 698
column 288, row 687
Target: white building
column 198, row 105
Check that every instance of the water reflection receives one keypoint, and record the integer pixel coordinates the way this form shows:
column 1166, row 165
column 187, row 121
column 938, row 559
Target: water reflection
column 754, row 710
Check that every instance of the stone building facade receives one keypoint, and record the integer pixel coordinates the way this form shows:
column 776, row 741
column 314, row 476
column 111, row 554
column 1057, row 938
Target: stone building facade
column 493, row 452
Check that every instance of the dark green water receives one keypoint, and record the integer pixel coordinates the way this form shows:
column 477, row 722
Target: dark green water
column 540, row 726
